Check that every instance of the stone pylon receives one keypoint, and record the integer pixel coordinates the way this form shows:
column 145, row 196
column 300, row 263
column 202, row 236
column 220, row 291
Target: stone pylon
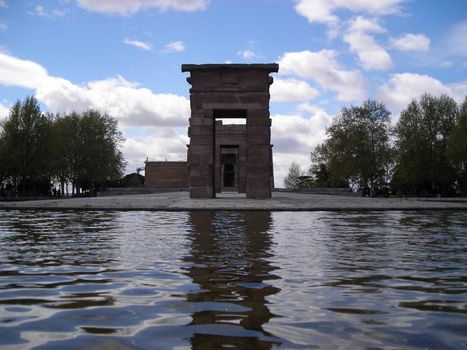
column 229, row 91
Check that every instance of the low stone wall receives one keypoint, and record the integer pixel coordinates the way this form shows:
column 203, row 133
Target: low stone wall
column 124, row 191
column 324, row 190
column 20, row 199
column 166, row 175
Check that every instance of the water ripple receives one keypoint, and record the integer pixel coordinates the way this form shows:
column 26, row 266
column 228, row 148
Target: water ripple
column 210, row 280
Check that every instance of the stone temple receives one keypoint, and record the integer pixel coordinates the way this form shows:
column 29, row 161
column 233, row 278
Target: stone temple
column 224, row 157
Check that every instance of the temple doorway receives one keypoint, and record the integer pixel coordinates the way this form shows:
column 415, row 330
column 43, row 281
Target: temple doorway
column 229, row 164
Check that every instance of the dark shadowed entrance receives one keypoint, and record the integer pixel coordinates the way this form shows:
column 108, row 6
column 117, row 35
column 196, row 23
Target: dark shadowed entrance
column 229, row 175
column 230, row 170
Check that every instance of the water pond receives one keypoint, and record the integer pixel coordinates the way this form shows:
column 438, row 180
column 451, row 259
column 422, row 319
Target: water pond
column 233, row 280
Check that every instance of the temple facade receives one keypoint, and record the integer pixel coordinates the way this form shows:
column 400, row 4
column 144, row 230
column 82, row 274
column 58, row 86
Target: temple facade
column 220, row 91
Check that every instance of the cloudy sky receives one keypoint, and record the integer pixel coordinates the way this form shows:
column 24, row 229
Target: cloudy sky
column 123, row 57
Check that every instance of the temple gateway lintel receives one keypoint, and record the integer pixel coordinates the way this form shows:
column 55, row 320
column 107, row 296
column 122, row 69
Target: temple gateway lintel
column 270, row 67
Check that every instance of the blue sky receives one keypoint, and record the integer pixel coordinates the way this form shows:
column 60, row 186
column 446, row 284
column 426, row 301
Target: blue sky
column 123, row 57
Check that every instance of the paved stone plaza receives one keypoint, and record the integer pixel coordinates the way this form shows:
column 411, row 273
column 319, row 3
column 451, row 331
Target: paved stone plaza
column 280, row 201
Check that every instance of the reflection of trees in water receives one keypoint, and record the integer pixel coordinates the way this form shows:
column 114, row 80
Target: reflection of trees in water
column 63, row 253
column 230, row 264
column 57, row 238
column 392, row 239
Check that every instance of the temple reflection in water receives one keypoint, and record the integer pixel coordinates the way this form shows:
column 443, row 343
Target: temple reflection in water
column 229, row 262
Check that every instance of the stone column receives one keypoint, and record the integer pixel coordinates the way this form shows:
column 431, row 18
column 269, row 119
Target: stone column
column 258, row 153
column 200, row 153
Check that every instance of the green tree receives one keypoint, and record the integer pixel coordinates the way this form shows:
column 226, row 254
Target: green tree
column 3, row 159
column 292, row 180
column 35, row 148
column 25, row 147
column 94, row 155
column 64, row 153
column 357, row 147
column 319, row 171
column 422, row 133
column 457, row 148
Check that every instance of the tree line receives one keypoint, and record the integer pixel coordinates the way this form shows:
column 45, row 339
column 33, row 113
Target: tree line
column 424, row 154
column 39, row 151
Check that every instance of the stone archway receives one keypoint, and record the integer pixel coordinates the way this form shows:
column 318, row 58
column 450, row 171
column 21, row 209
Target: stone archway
column 230, row 90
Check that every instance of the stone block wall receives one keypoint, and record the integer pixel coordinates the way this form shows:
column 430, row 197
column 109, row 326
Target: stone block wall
column 166, row 174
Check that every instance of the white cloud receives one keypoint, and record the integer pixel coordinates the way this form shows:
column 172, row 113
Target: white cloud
column 17, row 72
column 295, row 134
column 40, row 10
column 403, row 88
column 411, row 42
column 128, row 103
column 322, row 11
column 283, row 90
column 176, row 46
column 380, row 7
column 247, row 54
column 59, row 13
column 138, row 44
column 129, row 7
column 319, row 11
column 131, row 105
column 456, row 40
column 3, row 27
column 294, row 137
column 251, row 52
column 323, row 68
column 313, row 109
column 166, row 143
column 370, row 54
column 362, row 24
column 3, row 3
